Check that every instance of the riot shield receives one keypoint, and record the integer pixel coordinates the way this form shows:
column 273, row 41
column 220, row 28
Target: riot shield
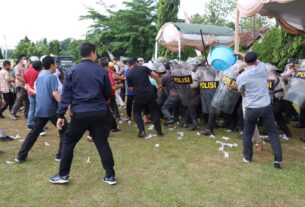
column 274, row 82
column 208, row 86
column 224, row 99
column 182, row 76
column 296, row 92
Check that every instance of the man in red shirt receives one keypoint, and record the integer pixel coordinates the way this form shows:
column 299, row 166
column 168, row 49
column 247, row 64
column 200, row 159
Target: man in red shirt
column 111, row 74
column 30, row 77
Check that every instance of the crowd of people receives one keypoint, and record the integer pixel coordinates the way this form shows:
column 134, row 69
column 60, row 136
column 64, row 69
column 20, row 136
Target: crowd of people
column 248, row 95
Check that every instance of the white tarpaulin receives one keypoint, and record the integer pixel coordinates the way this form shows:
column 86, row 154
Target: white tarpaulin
column 173, row 35
column 289, row 14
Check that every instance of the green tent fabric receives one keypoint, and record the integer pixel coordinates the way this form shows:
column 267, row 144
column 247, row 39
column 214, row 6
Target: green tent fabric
column 206, row 29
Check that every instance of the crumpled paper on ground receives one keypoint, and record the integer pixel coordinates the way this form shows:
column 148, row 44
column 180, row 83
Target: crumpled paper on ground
column 149, row 136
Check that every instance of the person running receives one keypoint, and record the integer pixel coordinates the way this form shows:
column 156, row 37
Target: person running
column 47, row 98
column 86, row 90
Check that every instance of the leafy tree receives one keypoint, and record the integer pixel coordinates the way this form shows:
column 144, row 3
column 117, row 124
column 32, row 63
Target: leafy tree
column 219, row 12
column 73, row 49
column 54, row 47
column 128, row 32
column 1, row 55
column 255, row 22
column 42, row 47
column 277, row 46
column 65, row 44
column 222, row 13
column 25, row 47
column 167, row 12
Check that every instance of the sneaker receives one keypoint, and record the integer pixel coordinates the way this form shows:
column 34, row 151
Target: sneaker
column 57, row 179
column 12, row 117
column 43, row 133
column 246, row 161
column 109, row 180
column 277, row 165
column 57, row 159
column 19, row 160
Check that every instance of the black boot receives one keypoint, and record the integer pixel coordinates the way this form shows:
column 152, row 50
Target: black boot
column 185, row 124
column 194, row 125
column 169, row 121
column 141, row 134
column 207, row 132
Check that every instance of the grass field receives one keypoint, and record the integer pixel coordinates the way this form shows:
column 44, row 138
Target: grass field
column 187, row 172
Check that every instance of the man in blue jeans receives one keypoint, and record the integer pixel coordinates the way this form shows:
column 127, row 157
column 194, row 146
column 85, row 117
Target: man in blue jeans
column 30, row 77
column 252, row 84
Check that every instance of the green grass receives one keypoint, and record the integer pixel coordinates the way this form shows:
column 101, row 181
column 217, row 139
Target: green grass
column 190, row 172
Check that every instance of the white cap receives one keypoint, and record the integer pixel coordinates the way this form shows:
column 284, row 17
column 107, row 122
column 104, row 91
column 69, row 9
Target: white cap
column 41, row 58
column 150, row 65
column 34, row 58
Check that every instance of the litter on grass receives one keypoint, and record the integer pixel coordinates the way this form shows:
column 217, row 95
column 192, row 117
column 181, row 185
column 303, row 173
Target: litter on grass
column 88, row 160
column 226, row 154
column 9, row 162
column 150, row 136
column 157, row 145
column 284, row 137
column 222, row 147
column 225, row 138
column 172, row 129
column 179, row 133
column 198, row 133
column 46, row 144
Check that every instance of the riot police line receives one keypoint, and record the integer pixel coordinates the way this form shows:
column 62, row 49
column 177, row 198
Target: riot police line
column 203, row 92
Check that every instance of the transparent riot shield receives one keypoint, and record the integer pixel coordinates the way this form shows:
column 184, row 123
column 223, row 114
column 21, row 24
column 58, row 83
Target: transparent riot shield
column 224, row 99
column 296, row 91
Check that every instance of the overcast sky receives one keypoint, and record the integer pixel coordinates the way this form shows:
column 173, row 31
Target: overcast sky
column 56, row 19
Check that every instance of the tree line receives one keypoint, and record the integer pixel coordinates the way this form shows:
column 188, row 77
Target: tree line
column 131, row 30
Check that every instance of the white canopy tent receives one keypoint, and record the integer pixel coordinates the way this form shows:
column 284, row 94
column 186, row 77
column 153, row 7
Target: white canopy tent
column 176, row 36
column 289, row 14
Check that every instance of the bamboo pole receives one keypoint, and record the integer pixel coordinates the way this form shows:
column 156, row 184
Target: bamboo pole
column 236, row 40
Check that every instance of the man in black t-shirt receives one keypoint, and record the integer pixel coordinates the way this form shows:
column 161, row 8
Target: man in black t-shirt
column 145, row 95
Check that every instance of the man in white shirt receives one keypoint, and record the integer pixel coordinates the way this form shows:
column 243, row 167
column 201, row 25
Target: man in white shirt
column 5, row 87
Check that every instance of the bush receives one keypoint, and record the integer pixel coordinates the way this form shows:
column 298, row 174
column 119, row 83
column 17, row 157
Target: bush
column 277, row 46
